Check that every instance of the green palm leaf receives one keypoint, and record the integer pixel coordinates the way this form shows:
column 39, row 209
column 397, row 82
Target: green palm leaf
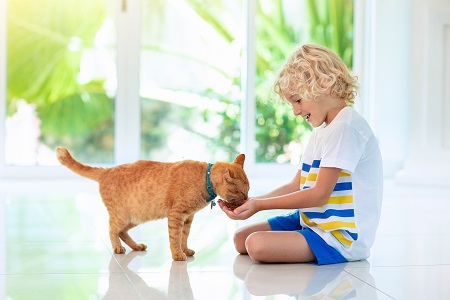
column 46, row 41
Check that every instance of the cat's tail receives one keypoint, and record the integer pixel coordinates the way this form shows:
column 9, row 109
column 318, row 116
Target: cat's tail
column 67, row 160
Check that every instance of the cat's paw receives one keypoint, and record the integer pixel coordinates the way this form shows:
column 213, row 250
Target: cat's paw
column 189, row 252
column 119, row 250
column 140, row 247
column 179, row 256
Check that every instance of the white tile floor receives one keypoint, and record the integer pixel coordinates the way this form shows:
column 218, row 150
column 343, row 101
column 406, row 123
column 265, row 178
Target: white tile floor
column 54, row 245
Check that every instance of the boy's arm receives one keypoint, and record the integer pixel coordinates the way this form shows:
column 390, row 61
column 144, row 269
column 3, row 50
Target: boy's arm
column 316, row 195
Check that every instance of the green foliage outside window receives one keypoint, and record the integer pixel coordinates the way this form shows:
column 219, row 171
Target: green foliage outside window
column 44, row 56
column 328, row 23
column 45, row 43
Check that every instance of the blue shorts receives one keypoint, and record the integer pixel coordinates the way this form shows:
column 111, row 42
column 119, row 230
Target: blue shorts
column 325, row 254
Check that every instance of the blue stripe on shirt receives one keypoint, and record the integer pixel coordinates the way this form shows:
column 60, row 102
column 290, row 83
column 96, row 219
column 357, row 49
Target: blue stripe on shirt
column 306, row 167
column 316, row 163
column 330, row 213
column 353, row 235
column 343, row 186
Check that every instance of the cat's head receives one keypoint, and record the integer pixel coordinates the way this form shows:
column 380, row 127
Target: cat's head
column 230, row 181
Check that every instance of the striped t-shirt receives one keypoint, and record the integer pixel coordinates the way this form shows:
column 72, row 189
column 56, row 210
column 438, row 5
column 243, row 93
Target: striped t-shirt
column 349, row 219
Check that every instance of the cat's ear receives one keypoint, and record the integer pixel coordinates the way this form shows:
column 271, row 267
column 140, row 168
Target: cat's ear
column 240, row 160
column 227, row 176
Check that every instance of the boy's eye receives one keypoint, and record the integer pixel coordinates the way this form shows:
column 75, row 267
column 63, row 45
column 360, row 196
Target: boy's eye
column 298, row 101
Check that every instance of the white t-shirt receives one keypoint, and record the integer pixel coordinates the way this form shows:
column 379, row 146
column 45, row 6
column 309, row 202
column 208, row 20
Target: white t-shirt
column 349, row 219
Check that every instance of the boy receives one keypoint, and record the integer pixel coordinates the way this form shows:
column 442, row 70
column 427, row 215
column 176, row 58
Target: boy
column 337, row 190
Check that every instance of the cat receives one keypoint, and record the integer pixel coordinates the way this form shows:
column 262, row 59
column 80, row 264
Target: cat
column 149, row 190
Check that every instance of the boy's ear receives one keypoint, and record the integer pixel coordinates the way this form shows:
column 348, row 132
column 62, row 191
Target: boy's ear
column 240, row 160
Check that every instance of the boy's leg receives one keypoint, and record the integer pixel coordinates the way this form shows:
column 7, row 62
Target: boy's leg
column 278, row 246
column 242, row 233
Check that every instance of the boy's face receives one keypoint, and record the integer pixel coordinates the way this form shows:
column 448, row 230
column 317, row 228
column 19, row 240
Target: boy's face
column 308, row 109
column 315, row 111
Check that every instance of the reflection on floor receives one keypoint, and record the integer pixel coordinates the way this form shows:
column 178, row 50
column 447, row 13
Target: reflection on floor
column 54, row 245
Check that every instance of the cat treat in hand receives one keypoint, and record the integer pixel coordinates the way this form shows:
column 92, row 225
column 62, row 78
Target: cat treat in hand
column 149, row 190
column 231, row 206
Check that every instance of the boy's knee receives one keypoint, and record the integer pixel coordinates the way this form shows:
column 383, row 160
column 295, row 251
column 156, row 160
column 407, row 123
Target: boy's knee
column 239, row 242
column 254, row 245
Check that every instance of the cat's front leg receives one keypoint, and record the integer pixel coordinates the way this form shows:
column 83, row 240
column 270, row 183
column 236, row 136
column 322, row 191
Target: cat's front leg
column 175, row 223
column 186, row 231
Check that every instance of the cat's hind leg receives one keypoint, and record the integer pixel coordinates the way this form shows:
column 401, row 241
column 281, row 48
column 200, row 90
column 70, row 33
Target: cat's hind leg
column 186, row 231
column 114, row 232
column 126, row 238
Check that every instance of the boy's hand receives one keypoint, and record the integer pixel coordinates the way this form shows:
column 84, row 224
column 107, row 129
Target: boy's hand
column 245, row 211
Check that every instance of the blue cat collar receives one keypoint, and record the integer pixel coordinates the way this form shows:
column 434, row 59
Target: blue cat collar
column 212, row 195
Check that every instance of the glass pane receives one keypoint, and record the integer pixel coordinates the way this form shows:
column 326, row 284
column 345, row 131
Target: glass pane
column 280, row 27
column 190, row 79
column 61, row 80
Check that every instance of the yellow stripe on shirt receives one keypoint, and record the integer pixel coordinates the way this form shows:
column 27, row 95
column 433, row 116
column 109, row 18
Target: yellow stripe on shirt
column 307, row 220
column 312, row 177
column 340, row 199
column 341, row 238
column 334, row 225
column 302, row 180
column 328, row 226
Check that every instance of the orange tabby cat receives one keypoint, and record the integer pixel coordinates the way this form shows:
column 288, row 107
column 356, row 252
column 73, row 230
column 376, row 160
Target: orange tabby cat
column 149, row 190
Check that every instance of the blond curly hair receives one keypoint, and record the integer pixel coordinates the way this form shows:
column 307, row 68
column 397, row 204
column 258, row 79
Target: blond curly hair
column 312, row 70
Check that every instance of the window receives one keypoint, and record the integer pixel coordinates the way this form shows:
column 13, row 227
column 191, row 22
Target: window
column 60, row 81
column 190, row 90
column 166, row 80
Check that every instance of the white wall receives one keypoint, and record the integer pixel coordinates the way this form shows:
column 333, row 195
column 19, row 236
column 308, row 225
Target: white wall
column 390, row 82
column 406, row 82
column 428, row 155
